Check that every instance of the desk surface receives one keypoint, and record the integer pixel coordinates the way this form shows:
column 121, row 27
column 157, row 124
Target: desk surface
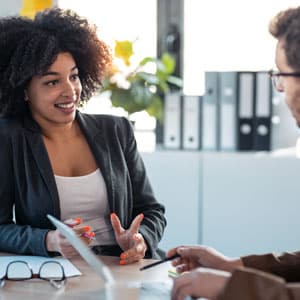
column 87, row 286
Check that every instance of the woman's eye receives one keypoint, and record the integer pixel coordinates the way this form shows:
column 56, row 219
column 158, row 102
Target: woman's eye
column 52, row 82
column 75, row 76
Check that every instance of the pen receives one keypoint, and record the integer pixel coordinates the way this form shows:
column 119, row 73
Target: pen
column 160, row 262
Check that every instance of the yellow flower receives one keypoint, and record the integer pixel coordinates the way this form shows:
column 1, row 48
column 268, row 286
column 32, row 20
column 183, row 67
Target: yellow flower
column 124, row 50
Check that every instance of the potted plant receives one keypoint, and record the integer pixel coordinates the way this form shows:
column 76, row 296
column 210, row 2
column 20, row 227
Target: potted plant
column 140, row 86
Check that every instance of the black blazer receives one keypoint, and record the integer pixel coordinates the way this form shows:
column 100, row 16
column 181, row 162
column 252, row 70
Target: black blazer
column 28, row 184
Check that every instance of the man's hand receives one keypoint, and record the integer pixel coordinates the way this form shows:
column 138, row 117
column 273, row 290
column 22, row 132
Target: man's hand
column 192, row 257
column 200, row 283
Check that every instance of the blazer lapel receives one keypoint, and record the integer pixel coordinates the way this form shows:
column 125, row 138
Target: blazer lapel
column 35, row 141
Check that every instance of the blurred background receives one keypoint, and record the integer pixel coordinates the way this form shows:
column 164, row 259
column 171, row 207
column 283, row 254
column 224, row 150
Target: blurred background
column 240, row 199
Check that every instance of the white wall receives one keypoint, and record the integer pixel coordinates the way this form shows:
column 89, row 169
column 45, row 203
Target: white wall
column 250, row 203
column 239, row 203
column 175, row 179
column 11, row 7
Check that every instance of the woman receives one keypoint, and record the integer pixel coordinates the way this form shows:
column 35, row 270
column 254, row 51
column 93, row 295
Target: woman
column 57, row 160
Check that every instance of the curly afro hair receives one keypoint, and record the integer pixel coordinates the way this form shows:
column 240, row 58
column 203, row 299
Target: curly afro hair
column 29, row 47
column 286, row 25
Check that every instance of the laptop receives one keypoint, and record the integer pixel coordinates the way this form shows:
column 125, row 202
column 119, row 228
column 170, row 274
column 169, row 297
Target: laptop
column 148, row 290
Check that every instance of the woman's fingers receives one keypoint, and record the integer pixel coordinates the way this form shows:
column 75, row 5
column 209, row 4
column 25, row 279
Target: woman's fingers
column 135, row 225
column 136, row 253
column 116, row 224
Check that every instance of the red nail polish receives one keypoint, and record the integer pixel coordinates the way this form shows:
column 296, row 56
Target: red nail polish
column 123, row 256
column 87, row 228
column 122, row 262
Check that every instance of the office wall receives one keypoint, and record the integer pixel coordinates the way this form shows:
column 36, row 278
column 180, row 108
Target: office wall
column 11, row 7
column 251, row 203
column 175, row 179
column 240, row 203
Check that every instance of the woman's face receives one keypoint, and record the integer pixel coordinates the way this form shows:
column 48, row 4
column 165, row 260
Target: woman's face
column 53, row 96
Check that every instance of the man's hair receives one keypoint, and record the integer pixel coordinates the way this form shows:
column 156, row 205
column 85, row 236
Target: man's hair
column 29, row 47
column 286, row 25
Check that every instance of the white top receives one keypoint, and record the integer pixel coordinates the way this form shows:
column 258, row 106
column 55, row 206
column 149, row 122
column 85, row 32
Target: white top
column 86, row 197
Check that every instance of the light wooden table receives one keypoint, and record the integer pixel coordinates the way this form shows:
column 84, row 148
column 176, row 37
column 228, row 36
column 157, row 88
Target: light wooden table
column 89, row 285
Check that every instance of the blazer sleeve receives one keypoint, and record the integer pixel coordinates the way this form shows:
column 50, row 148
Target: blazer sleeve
column 144, row 201
column 250, row 284
column 21, row 239
column 286, row 265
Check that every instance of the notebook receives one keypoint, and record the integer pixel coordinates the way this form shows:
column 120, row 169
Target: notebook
column 147, row 290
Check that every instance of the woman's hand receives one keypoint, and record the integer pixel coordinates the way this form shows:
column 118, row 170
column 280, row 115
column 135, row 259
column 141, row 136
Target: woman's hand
column 200, row 283
column 56, row 242
column 130, row 240
column 192, row 257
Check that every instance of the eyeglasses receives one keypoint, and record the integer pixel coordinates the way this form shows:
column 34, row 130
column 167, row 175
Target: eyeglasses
column 50, row 270
column 276, row 78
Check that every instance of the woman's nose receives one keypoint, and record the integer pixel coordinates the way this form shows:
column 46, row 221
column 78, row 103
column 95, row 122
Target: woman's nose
column 69, row 90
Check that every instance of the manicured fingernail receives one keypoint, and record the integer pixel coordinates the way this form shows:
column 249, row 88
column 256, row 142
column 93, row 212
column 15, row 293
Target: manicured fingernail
column 89, row 235
column 112, row 214
column 142, row 215
column 72, row 222
column 122, row 262
column 123, row 256
column 87, row 228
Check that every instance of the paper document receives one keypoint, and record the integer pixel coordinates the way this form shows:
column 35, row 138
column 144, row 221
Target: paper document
column 35, row 263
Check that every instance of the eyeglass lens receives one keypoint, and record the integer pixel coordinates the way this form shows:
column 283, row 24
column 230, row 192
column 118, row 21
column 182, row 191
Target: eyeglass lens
column 51, row 270
column 18, row 271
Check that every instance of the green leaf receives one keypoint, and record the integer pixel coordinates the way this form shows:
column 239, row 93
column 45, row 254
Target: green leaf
column 164, row 87
column 169, row 63
column 155, row 109
column 146, row 60
column 175, row 81
column 149, row 78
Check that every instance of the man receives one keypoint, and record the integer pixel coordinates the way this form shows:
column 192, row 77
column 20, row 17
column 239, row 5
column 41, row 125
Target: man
column 254, row 277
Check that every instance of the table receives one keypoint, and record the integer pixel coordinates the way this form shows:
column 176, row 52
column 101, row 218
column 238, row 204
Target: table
column 89, row 285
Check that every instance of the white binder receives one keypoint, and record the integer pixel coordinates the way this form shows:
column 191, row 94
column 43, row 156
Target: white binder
column 191, row 107
column 228, row 110
column 172, row 120
column 210, row 113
